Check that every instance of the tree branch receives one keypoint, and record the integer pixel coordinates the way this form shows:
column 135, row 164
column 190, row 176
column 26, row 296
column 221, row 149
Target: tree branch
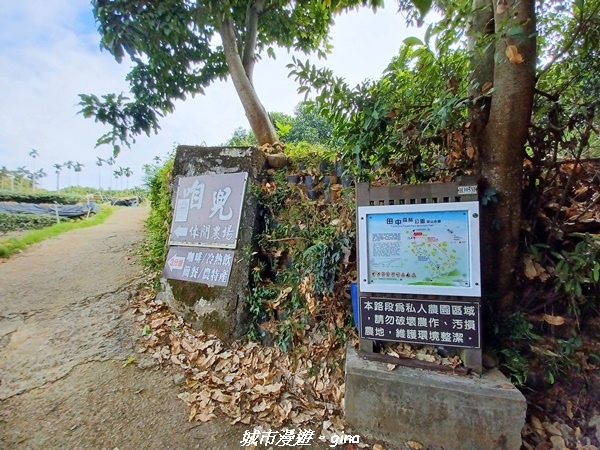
column 553, row 98
column 253, row 11
column 483, row 67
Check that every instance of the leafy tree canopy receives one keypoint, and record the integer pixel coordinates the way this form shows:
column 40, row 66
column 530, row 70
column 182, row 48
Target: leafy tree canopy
column 180, row 47
column 419, row 109
column 305, row 126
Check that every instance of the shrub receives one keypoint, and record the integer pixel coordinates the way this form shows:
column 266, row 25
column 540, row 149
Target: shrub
column 14, row 222
column 21, row 197
column 158, row 223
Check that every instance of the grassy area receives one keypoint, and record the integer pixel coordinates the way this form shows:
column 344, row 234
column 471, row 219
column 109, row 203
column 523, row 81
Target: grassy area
column 11, row 246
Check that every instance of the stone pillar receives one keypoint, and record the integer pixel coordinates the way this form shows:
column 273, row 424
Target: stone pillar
column 222, row 311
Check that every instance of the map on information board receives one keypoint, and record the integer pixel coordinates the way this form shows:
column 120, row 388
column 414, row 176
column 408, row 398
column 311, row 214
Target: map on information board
column 419, row 248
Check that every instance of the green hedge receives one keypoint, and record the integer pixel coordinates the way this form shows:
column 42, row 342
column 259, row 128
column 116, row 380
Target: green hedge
column 13, row 222
column 22, row 197
column 11, row 246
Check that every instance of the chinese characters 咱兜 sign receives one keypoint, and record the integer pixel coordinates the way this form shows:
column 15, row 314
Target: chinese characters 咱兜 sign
column 445, row 323
column 199, row 265
column 208, row 210
column 420, row 249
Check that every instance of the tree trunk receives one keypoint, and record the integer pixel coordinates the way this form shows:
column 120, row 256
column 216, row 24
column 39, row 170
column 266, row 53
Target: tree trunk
column 503, row 149
column 255, row 112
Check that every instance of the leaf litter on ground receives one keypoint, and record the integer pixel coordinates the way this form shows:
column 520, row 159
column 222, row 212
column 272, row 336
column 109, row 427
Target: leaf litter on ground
column 245, row 381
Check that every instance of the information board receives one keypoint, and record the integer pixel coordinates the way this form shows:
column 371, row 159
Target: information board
column 444, row 323
column 420, row 249
column 208, row 209
column 199, row 265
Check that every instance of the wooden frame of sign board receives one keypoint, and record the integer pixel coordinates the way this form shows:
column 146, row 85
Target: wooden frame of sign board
column 426, row 194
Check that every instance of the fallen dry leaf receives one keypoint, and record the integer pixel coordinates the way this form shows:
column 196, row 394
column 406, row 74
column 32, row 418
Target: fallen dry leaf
column 415, row 445
column 551, row 429
column 204, row 417
column 192, row 414
column 157, row 322
column 513, row 55
column 537, row 426
column 502, row 6
column 530, row 271
column 569, row 409
column 558, row 443
column 554, row 320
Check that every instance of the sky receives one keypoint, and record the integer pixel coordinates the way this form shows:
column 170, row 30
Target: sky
column 49, row 53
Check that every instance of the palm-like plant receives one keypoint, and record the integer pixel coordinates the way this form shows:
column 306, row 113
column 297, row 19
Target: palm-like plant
column 34, row 154
column 99, row 162
column 69, row 165
column 118, row 174
column 4, row 174
column 37, row 175
column 58, row 168
column 111, row 162
column 78, row 167
column 20, row 175
column 127, row 172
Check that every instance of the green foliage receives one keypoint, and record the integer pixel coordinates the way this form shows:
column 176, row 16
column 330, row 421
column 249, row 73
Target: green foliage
column 282, row 123
column 577, row 271
column 516, row 365
column 261, row 291
column 21, row 197
column 241, row 138
column 308, row 126
column 158, row 222
column 309, row 155
column 516, row 328
column 14, row 222
column 569, row 346
column 12, row 246
column 322, row 260
column 412, row 118
column 303, row 265
column 305, row 127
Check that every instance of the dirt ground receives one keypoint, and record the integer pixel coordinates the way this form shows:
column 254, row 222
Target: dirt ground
column 66, row 333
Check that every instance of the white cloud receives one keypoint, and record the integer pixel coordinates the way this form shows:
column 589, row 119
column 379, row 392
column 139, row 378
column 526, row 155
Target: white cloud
column 49, row 54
